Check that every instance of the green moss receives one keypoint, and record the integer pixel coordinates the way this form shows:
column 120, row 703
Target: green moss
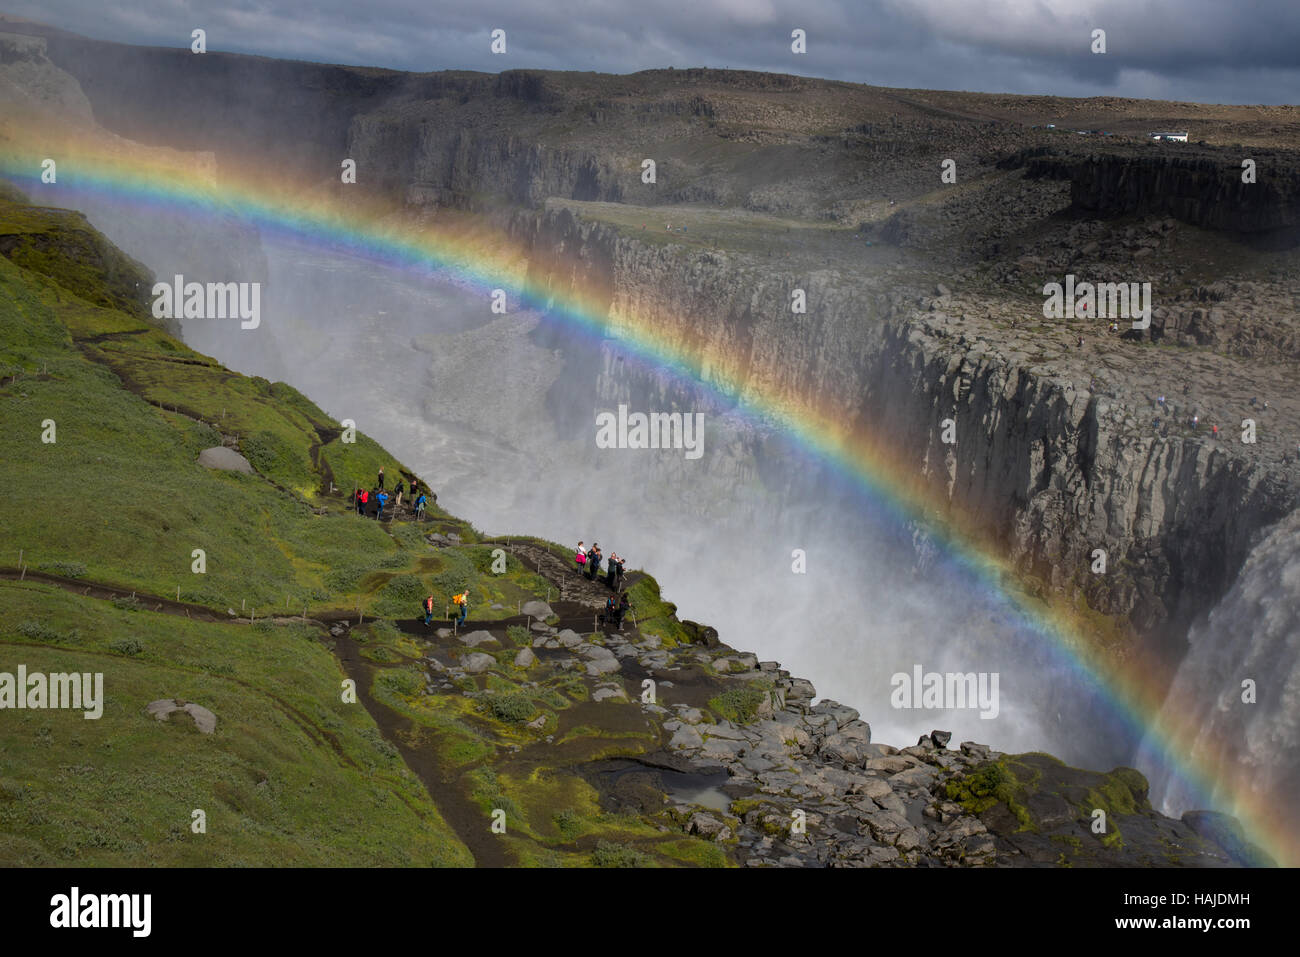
column 654, row 615
column 991, row 783
column 739, row 705
column 694, row 851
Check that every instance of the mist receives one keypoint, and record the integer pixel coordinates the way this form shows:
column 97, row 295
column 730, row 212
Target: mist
column 498, row 414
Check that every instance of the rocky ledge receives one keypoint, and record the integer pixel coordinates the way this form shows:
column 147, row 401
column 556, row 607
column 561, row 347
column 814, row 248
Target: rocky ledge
column 716, row 744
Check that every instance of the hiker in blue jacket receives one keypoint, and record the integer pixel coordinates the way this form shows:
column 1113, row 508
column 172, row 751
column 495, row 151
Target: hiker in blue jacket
column 381, row 498
column 419, row 506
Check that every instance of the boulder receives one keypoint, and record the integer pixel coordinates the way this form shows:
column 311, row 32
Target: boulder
column 204, row 719
column 536, row 608
column 600, row 661
column 475, row 638
column 220, row 457
column 525, row 658
column 476, row 662
column 568, row 638
column 708, row 826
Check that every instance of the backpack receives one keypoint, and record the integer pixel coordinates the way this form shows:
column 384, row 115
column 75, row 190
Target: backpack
column 581, row 558
column 458, row 599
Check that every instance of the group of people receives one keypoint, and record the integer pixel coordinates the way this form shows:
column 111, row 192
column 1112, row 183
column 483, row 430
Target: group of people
column 363, row 498
column 588, row 561
column 616, row 606
column 459, row 601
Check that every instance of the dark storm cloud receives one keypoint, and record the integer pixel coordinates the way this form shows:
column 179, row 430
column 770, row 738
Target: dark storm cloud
column 1202, row 50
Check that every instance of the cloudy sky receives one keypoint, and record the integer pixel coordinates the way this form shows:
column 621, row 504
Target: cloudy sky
column 1224, row 51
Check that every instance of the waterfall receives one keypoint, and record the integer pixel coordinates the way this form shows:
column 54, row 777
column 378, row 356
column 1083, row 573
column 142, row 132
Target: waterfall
column 1251, row 749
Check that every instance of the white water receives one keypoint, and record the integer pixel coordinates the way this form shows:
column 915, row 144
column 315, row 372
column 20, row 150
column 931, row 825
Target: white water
column 479, row 407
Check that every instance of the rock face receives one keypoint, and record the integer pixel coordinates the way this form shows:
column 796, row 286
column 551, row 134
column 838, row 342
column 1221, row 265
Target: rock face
column 1050, row 464
column 28, row 79
column 1196, row 185
column 220, row 457
column 1199, row 191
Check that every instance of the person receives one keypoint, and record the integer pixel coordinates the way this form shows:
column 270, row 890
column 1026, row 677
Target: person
column 415, row 488
column 461, row 601
column 356, row 500
column 610, row 617
column 624, row 603
column 363, row 501
column 380, row 482
column 382, row 499
column 419, row 507
column 580, row 559
column 610, row 569
column 593, row 561
column 397, row 495
column 428, row 611
column 618, row 577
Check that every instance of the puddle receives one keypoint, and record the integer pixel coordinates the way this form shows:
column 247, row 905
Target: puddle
column 628, row 782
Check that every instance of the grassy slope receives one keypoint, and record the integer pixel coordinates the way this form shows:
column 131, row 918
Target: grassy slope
column 292, row 774
column 119, row 497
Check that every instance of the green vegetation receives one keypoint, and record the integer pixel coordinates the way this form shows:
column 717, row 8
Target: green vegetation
column 990, row 784
column 612, row 854
column 739, row 705
column 654, row 616
column 291, row 775
column 514, row 707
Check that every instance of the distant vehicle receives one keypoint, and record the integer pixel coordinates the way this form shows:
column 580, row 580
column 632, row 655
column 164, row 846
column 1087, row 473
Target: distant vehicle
column 1169, row 137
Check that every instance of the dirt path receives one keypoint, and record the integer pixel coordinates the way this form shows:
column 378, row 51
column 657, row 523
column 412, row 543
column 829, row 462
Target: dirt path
column 564, row 574
column 456, row 808
column 577, row 611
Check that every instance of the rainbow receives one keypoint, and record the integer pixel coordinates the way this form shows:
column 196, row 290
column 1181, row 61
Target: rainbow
column 465, row 251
